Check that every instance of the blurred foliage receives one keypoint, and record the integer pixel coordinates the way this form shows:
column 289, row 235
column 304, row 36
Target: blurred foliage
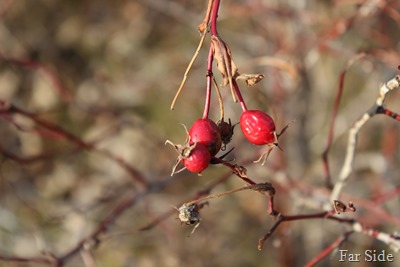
column 108, row 71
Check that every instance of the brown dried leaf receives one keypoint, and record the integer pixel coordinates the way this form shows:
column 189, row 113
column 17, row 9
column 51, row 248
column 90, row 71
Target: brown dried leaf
column 339, row 206
column 225, row 63
column 250, row 79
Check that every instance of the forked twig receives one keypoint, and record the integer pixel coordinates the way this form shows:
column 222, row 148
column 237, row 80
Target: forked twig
column 347, row 167
column 203, row 26
column 330, row 214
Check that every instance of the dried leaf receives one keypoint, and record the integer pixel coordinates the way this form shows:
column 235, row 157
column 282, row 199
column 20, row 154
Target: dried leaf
column 339, row 206
column 225, row 64
column 250, row 79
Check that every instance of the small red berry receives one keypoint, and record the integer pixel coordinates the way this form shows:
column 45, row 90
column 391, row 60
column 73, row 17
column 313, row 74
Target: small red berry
column 206, row 132
column 258, row 127
column 198, row 159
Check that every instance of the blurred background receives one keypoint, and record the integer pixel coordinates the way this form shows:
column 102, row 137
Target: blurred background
column 94, row 81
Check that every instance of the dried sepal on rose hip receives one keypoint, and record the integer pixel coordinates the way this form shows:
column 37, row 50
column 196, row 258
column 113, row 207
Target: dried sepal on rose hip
column 198, row 159
column 259, row 129
column 202, row 143
column 195, row 157
column 226, row 132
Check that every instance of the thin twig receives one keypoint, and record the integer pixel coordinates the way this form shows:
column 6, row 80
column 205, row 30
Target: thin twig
column 334, row 115
column 203, row 26
column 332, row 247
column 347, row 167
column 203, row 36
column 216, row 195
column 170, row 212
column 286, row 218
column 7, row 109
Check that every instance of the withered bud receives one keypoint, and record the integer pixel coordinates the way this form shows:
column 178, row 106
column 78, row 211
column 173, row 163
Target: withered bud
column 226, row 131
column 189, row 214
column 339, row 206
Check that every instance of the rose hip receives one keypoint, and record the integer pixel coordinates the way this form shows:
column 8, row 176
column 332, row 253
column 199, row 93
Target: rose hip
column 202, row 143
column 206, row 132
column 258, row 127
column 198, row 159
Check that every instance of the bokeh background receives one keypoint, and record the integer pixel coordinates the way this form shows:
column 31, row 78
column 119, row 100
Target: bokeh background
column 106, row 72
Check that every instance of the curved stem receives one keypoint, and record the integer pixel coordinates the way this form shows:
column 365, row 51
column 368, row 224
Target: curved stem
column 239, row 95
column 214, row 16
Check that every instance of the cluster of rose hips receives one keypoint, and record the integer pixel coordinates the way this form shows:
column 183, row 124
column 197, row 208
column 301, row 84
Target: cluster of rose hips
column 206, row 138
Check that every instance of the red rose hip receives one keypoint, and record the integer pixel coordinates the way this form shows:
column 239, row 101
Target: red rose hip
column 198, row 159
column 206, row 132
column 258, row 127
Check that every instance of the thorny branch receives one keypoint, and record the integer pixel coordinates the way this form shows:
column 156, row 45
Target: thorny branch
column 45, row 70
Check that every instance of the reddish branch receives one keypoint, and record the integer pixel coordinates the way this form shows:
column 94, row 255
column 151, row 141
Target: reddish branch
column 386, row 196
column 90, row 241
column 47, row 261
column 332, row 124
column 203, row 192
column 93, row 239
column 214, row 16
column 341, row 26
column 287, row 218
column 332, row 247
column 387, row 112
column 7, row 110
column 46, row 71
column 210, row 78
